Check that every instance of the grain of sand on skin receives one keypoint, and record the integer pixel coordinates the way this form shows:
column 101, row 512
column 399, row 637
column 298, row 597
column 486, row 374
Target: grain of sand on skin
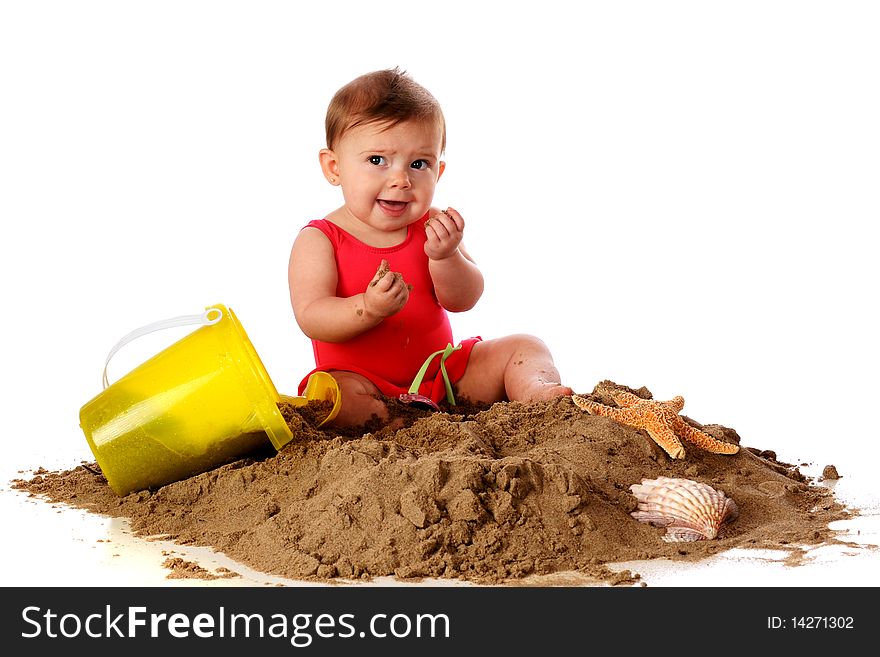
column 484, row 495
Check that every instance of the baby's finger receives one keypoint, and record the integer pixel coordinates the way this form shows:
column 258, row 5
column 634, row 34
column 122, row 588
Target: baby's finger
column 398, row 284
column 380, row 273
column 399, row 289
column 430, row 233
column 439, row 226
column 384, row 284
column 457, row 219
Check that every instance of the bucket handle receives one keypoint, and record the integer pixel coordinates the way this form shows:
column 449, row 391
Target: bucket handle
column 210, row 316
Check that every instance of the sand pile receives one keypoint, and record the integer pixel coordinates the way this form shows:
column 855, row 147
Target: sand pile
column 490, row 497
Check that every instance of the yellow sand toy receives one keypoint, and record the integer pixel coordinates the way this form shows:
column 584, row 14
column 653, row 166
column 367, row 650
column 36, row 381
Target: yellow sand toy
column 204, row 401
column 320, row 387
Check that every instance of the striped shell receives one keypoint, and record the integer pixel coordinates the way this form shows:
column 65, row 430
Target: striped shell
column 689, row 510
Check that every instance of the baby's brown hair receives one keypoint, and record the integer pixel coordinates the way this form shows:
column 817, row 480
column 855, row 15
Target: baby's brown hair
column 388, row 97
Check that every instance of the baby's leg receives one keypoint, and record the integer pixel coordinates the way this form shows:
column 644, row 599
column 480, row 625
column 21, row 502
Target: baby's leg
column 360, row 400
column 513, row 368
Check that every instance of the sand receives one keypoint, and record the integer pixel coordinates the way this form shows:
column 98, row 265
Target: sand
column 183, row 569
column 488, row 495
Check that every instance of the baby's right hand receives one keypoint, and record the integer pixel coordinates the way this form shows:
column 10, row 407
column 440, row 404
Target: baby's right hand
column 387, row 293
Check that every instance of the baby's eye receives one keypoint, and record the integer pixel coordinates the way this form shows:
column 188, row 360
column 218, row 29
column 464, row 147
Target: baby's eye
column 420, row 164
column 377, row 160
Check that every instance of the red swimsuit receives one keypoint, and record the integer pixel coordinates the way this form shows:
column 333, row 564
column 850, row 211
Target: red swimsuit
column 391, row 353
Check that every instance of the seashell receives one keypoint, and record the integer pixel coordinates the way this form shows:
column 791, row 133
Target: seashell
column 689, row 510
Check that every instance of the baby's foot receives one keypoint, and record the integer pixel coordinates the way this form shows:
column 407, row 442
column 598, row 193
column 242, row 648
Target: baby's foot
column 395, row 423
column 541, row 390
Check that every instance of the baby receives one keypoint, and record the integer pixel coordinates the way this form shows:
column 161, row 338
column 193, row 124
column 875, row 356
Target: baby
column 372, row 282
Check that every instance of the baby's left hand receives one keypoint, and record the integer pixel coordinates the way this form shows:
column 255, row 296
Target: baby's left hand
column 444, row 229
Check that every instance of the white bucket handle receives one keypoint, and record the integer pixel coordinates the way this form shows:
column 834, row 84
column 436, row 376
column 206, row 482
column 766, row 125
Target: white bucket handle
column 207, row 318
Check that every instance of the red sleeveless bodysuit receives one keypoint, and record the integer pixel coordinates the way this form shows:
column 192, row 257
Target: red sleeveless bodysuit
column 391, row 353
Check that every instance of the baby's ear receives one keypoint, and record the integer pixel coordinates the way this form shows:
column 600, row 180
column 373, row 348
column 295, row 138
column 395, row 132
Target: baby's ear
column 329, row 165
column 441, row 167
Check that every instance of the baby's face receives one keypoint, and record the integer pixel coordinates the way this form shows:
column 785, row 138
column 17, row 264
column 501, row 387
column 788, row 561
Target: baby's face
column 388, row 175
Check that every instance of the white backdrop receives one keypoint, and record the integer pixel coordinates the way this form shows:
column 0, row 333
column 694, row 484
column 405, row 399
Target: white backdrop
column 681, row 195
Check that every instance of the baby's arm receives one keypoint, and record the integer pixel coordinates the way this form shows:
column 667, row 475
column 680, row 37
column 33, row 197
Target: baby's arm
column 458, row 282
column 319, row 312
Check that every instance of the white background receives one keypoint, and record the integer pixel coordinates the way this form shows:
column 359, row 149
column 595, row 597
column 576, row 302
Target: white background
column 681, row 195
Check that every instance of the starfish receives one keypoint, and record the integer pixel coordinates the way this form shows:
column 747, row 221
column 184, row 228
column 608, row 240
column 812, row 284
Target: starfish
column 659, row 419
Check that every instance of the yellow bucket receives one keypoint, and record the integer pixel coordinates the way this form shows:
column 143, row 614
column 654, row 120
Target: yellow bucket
column 202, row 402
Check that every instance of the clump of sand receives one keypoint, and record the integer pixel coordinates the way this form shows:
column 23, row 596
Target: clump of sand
column 183, row 569
column 488, row 496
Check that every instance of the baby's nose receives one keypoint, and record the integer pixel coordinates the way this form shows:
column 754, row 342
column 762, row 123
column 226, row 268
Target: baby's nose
column 398, row 177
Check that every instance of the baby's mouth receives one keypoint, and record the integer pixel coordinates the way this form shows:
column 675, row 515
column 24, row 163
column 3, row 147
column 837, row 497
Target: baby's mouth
column 394, row 208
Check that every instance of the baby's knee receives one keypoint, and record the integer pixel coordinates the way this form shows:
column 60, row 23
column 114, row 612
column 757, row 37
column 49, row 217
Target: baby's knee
column 351, row 383
column 360, row 399
column 527, row 342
